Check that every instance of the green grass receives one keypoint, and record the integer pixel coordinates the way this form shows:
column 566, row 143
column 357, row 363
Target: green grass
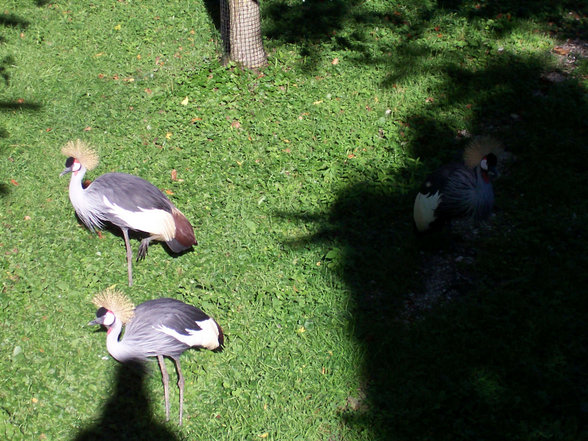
column 299, row 182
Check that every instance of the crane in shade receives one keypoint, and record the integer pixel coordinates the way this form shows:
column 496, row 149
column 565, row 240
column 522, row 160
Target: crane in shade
column 159, row 328
column 459, row 189
column 127, row 201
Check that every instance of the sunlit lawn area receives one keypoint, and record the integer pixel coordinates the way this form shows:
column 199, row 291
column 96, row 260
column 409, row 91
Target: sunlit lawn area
column 299, row 181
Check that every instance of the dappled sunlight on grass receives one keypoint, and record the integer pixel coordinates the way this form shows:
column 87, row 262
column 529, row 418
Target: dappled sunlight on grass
column 299, row 181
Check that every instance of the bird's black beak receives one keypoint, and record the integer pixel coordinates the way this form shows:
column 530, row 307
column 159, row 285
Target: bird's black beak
column 65, row 171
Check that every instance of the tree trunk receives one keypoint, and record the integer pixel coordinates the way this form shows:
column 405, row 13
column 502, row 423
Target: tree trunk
column 241, row 33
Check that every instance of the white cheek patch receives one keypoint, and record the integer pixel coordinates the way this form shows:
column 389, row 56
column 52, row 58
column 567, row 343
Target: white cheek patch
column 109, row 319
column 484, row 164
column 76, row 166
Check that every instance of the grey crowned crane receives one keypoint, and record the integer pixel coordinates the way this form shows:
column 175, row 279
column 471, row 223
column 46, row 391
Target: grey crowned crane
column 127, row 201
column 459, row 190
column 156, row 328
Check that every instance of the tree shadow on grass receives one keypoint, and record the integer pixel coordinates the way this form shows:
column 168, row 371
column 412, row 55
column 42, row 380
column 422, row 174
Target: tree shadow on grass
column 214, row 11
column 16, row 106
column 4, row 190
column 507, row 358
column 127, row 415
column 14, row 21
column 354, row 27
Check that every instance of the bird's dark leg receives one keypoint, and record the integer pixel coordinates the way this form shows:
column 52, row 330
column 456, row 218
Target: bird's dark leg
column 181, row 386
column 143, row 247
column 129, row 255
column 165, row 379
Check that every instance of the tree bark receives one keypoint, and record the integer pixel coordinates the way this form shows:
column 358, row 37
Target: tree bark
column 241, row 32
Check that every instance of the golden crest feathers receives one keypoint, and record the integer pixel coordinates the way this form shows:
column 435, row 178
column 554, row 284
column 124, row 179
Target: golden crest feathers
column 82, row 151
column 115, row 301
column 479, row 147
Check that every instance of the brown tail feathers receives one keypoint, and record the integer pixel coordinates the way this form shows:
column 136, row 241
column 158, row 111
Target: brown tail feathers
column 184, row 237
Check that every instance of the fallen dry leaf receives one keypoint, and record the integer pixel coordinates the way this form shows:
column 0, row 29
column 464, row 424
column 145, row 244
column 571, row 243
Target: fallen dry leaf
column 561, row 51
column 169, row 192
column 13, row 182
column 335, row 61
column 174, row 175
column 236, row 124
column 185, row 101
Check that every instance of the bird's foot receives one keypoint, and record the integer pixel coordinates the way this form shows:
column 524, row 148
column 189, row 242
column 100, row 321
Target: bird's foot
column 143, row 249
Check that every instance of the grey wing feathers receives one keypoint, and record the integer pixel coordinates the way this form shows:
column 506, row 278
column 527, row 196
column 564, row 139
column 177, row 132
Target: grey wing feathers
column 129, row 192
column 166, row 312
column 459, row 194
column 437, row 180
column 172, row 313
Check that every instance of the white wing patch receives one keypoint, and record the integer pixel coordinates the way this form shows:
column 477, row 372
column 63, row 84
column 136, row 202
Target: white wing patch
column 424, row 210
column 153, row 221
column 207, row 337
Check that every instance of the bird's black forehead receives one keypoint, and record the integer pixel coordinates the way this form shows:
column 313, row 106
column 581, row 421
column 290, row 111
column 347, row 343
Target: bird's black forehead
column 101, row 311
column 492, row 159
column 69, row 161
